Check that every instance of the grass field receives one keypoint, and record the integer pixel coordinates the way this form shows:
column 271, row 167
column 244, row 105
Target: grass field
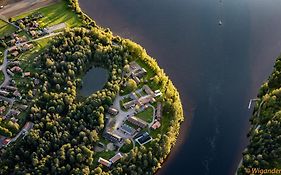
column 6, row 29
column 146, row 115
column 55, row 14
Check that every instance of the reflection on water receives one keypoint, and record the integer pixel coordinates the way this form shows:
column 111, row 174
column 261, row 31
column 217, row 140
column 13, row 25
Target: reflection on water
column 217, row 69
column 93, row 80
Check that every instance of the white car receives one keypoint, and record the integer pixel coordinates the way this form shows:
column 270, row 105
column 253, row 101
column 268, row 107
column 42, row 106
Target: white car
column 1, row 6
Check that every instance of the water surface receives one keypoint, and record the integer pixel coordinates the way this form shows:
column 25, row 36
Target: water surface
column 93, row 80
column 217, row 69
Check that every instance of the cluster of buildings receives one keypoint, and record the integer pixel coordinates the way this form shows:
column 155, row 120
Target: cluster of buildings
column 111, row 161
column 14, row 68
column 31, row 25
column 136, row 72
column 149, row 97
column 124, row 122
column 17, row 49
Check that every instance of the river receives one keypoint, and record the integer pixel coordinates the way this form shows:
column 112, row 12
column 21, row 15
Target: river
column 216, row 68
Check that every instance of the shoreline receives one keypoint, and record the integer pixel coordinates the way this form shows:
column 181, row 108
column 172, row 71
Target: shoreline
column 185, row 122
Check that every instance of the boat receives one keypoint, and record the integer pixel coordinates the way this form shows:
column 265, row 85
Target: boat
column 220, row 22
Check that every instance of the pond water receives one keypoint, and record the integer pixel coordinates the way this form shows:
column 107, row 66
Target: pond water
column 93, row 80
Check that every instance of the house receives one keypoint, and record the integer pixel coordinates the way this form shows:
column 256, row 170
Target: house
column 112, row 137
column 113, row 111
column 15, row 53
column 26, row 47
column 2, row 109
column 104, row 162
column 116, row 158
column 136, row 121
column 16, row 69
column 6, row 142
column 33, row 33
column 156, row 125
column 129, row 104
column 145, row 99
column 148, row 90
column 26, row 74
column 16, row 93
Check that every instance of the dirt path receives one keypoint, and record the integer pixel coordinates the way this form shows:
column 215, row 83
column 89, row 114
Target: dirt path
column 15, row 7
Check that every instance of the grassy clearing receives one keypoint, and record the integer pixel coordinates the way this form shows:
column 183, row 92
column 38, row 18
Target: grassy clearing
column 165, row 123
column 6, row 29
column 55, row 14
column 146, row 115
column 126, row 148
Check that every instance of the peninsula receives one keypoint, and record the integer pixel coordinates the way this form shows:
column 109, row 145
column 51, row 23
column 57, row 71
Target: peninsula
column 47, row 126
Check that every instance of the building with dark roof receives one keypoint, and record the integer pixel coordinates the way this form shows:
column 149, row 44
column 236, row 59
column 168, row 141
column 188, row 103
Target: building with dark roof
column 112, row 137
column 145, row 138
column 137, row 121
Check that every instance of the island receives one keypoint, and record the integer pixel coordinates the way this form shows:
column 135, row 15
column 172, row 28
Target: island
column 49, row 126
column 262, row 155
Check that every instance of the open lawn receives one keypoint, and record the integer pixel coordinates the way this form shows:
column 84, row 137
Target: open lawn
column 126, row 148
column 146, row 115
column 55, row 14
column 6, row 29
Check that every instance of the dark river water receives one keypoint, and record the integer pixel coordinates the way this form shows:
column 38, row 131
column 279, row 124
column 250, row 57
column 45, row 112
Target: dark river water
column 217, row 69
column 93, row 80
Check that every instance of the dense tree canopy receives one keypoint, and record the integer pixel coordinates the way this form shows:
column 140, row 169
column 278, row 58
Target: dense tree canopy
column 264, row 149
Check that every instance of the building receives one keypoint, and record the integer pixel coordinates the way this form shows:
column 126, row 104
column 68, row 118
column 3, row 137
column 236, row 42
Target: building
column 5, row 93
column 2, row 109
column 136, row 121
column 104, row 162
column 156, row 125
column 26, row 74
column 129, row 104
column 116, row 158
column 145, row 138
column 112, row 137
column 113, row 111
column 15, row 53
column 158, row 111
column 157, row 93
column 127, row 129
column 16, row 69
column 145, row 99
column 10, row 72
column 148, row 90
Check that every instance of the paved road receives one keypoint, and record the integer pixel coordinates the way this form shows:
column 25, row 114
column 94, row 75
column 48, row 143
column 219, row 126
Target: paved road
column 4, row 70
column 3, row 67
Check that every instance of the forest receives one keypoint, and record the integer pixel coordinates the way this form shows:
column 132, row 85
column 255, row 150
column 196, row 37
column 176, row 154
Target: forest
column 67, row 129
column 264, row 149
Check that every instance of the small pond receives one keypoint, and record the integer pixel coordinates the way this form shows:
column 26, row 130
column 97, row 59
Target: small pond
column 94, row 80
